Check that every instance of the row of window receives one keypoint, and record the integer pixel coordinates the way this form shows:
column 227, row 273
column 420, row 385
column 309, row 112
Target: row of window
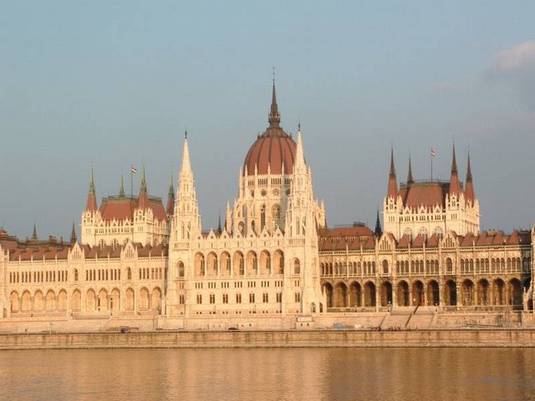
column 38, row 277
column 238, row 298
column 429, row 266
column 90, row 275
column 239, row 284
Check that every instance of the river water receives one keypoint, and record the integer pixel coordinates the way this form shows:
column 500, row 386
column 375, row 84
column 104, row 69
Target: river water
column 269, row 374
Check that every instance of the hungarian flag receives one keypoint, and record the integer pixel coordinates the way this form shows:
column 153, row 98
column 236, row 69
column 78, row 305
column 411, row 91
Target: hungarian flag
column 133, row 170
column 433, row 152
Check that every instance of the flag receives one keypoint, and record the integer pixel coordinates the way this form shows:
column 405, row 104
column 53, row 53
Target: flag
column 433, row 152
column 133, row 170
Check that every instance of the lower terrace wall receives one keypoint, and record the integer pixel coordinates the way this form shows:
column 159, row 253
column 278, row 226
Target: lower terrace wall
column 396, row 320
column 281, row 338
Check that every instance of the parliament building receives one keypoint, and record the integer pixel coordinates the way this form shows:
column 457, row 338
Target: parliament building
column 273, row 262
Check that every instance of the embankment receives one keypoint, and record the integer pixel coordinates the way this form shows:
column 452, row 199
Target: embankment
column 279, row 338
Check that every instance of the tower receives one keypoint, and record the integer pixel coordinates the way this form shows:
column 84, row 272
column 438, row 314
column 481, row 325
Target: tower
column 185, row 229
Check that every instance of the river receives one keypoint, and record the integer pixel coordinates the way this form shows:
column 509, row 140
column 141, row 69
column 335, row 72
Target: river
column 268, row 374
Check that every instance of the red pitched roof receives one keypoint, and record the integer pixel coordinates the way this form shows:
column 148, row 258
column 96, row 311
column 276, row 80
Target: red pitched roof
column 427, row 194
column 121, row 208
column 331, row 239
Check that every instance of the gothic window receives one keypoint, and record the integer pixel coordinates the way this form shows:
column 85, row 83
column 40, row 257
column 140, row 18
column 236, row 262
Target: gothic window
column 276, row 215
column 262, row 217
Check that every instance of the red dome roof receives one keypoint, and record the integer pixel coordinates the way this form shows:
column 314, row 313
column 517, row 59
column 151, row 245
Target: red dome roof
column 274, row 149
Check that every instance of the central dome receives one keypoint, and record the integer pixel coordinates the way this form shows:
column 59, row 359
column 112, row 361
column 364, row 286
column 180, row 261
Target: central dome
column 274, row 150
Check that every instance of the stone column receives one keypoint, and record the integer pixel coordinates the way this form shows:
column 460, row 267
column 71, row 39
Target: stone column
column 394, row 295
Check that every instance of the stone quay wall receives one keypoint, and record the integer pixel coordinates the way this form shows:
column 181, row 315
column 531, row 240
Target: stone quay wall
column 279, row 338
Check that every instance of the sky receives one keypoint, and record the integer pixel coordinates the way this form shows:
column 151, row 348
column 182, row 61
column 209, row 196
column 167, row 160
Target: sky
column 108, row 84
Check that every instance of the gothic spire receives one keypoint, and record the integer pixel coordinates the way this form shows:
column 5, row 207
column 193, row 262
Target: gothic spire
column 34, row 233
column 455, row 185
column 469, row 190
column 410, row 180
column 143, row 187
column 392, row 181
column 378, row 229
column 299, row 162
column 274, row 116
column 91, row 204
column 454, row 162
column 171, row 198
column 186, row 162
column 468, row 170
column 73, row 234
column 121, row 188
column 143, row 200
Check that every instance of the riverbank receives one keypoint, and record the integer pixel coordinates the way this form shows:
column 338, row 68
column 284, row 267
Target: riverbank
column 280, row 338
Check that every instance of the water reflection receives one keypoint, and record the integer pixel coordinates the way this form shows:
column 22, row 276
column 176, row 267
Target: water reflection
column 269, row 374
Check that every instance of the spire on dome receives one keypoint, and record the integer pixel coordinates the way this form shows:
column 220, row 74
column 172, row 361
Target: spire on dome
column 73, row 234
column 392, row 181
column 121, row 188
column 469, row 190
column 378, row 229
column 410, row 180
column 274, row 116
column 455, row 185
column 91, row 204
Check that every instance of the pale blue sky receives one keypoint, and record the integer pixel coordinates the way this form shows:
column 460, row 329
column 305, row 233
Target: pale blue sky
column 115, row 83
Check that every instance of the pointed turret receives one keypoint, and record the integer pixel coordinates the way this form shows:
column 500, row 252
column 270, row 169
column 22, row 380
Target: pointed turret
column 274, row 116
column 219, row 227
column 91, row 204
column 143, row 200
column 392, row 181
column 73, row 234
column 185, row 168
column 378, row 229
column 171, row 198
column 299, row 153
column 455, row 185
column 121, row 188
column 186, row 212
column 34, row 233
column 410, row 180
column 469, row 190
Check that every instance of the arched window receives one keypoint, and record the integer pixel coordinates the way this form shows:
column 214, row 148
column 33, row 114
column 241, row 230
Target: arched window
column 180, row 269
column 297, row 266
column 129, row 273
column 385, row 266
column 75, row 274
